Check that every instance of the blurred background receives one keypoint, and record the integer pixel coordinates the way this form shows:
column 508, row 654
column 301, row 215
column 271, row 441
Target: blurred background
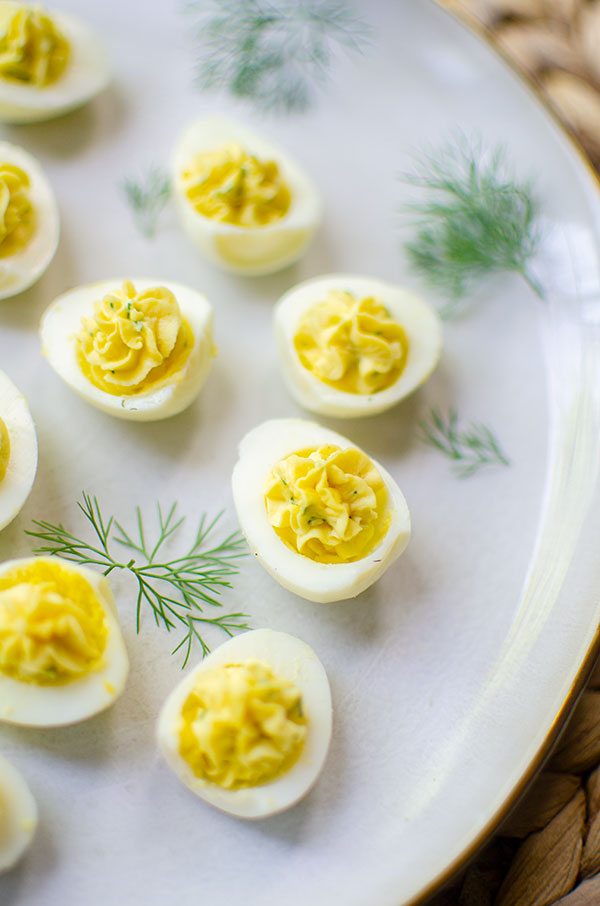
column 557, row 44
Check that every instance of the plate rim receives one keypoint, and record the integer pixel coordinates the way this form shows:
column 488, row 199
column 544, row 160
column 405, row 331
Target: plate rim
column 452, row 871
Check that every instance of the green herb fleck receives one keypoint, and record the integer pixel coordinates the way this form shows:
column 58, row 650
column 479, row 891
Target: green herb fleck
column 473, row 218
column 469, row 449
column 195, row 577
column 147, row 197
column 274, row 54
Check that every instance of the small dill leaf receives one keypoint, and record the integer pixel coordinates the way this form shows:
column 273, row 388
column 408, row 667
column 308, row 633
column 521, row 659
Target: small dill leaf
column 469, row 448
column 472, row 217
column 147, row 198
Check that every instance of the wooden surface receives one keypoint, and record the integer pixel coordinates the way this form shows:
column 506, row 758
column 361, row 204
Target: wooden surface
column 548, row 850
column 556, row 43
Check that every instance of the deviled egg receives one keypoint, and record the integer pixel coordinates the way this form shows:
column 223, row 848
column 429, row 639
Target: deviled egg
column 351, row 346
column 62, row 655
column 248, row 729
column 50, row 63
column 29, row 221
column 18, row 451
column 137, row 349
column 246, row 204
column 18, row 815
column 320, row 515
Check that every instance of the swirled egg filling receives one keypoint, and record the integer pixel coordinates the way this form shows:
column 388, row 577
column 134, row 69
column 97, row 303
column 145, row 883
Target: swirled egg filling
column 33, row 50
column 17, row 213
column 352, row 344
column 135, row 342
column 4, row 449
column 52, row 625
column 328, row 504
column 235, row 187
column 241, row 725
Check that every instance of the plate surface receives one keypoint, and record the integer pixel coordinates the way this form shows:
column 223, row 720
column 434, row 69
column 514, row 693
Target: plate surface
column 448, row 675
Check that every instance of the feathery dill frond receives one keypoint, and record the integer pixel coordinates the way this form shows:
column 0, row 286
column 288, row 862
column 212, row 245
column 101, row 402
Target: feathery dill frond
column 175, row 588
column 472, row 218
column 275, row 54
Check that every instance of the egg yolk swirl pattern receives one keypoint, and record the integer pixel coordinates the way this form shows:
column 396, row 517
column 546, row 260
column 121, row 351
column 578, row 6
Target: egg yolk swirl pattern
column 351, row 344
column 135, row 342
column 328, row 504
column 52, row 627
column 231, row 186
column 17, row 214
column 241, row 725
column 4, row 449
column 32, row 49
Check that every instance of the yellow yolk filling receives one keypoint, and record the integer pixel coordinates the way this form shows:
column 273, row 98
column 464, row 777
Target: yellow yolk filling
column 52, row 625
column 241, row 725
column 328, row 504
column 17, row 214
column 351, row 344
column 232, row 186
column 136, row 342
column 32, row 49
column 4, row 449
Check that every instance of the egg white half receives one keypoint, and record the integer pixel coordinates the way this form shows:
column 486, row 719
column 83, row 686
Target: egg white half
column 259, row 452
column 62, row 320
column 22, row 464
column 246, row 250
column 290, row 659
column 18, row 815
column 26, row 265
column 32, row 705
column 421, row 323
column 87, row 74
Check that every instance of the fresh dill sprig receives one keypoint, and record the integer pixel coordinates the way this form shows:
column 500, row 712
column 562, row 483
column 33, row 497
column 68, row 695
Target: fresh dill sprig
column 273, row 53
column 195, row 576
column 469, row 448
column 147, row 197
column 473, row 218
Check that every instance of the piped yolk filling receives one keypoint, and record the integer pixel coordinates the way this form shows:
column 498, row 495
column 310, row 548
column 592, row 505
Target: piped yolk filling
column 52, row 625
column 135, row 342
column 351, row 344
column 232, row 186
column 17, row 213
column 4, row 449
column 33, row 51
column 241, row 726
column 328, row 504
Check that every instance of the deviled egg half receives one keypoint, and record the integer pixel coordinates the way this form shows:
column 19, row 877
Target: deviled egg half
column 137, row 349
column 351, row 346
column 29, row 221
column 248, row 729
column 50, row 63
column 18, row 451
column 62, row 655
column 18, row 815
column 320, row 515
column 246, row 204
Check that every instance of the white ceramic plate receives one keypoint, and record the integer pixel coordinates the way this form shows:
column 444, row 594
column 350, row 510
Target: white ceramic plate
column 448, row 675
